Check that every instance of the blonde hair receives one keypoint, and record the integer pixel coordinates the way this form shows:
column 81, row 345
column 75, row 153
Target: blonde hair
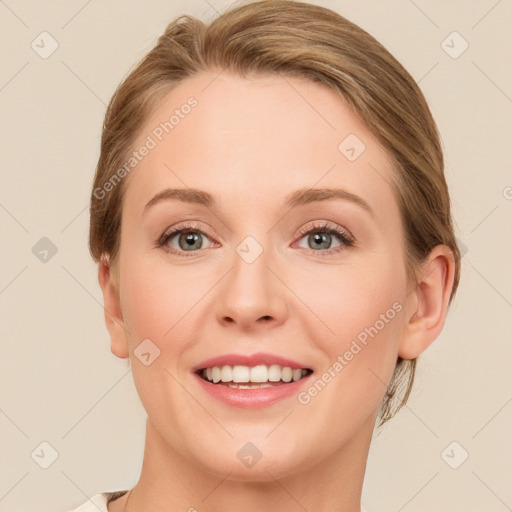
column 301, row 40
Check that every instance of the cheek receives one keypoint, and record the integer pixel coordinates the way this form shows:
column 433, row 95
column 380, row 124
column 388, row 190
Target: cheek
column 366, row 314
column 156, row 305
column 361, row 312
column 149, row 293
column 162, row 303
column 146, row 312
column 348, row 299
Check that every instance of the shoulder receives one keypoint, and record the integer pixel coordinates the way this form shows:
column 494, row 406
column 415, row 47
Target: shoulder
column 98, row 503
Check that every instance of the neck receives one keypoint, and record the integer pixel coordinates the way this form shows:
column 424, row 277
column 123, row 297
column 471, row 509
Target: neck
column 171, row 481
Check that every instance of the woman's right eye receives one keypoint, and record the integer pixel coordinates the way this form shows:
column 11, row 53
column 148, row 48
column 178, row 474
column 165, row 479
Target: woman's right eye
column 184, row 240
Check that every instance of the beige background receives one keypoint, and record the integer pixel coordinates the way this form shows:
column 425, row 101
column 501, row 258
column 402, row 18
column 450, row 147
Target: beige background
column 59, row 381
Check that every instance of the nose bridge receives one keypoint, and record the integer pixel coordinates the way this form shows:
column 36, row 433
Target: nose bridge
column 251, row 291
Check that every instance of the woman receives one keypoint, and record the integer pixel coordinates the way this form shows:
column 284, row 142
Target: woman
column 275, row 248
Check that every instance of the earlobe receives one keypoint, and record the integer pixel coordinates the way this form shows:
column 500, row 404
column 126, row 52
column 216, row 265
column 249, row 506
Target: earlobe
column 112, row 309
column 428, row 305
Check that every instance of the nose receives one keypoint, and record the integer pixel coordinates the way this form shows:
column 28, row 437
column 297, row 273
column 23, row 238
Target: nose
column 251, row 296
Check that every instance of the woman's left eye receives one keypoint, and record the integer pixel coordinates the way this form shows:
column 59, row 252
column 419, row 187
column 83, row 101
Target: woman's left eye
column 322, row 237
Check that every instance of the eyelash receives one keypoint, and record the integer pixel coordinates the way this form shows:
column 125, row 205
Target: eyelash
column 344, row 237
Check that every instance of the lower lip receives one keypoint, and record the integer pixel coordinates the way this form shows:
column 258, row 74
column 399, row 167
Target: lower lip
column 251, row 398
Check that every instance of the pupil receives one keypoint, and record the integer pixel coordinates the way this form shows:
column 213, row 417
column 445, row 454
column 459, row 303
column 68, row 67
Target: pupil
column 322, row 240
column 191, row 240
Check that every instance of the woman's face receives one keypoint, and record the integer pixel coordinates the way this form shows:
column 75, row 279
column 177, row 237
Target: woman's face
column 267, row 267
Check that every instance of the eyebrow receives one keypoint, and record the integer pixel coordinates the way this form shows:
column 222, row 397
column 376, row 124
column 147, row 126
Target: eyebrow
column 186, row 195
column 310, row 195
column 298, row 198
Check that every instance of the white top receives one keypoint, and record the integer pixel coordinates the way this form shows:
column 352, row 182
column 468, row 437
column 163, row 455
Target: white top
column 99, row 503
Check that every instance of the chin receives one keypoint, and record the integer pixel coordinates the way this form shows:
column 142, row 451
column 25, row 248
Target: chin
column 259, row 460
column 262, row 471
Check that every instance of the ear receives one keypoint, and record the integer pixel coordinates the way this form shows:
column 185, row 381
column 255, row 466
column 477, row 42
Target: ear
column 112, row 308
column 428, row 304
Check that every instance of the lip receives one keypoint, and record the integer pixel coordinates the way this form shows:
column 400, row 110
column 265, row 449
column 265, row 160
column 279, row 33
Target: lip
column 250, row 398
column 249, row 360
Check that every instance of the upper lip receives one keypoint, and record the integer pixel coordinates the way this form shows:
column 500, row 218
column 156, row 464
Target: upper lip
column 249, row 360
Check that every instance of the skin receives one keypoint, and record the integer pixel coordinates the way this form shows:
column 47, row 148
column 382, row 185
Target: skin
column 251, row 143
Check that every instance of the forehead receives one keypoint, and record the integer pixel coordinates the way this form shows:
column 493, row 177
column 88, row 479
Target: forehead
column 253, row 136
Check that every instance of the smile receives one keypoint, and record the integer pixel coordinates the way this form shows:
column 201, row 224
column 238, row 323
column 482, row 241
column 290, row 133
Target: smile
column 252, row 377
column 251, row 381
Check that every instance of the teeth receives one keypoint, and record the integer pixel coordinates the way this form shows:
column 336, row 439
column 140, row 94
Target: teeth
column 259, row 373
column 239, row 376
column 226, row 374
column 274, row 373
column 241, row 373
column 287, row 374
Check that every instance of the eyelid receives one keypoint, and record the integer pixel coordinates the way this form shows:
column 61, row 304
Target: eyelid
column 327, row 226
